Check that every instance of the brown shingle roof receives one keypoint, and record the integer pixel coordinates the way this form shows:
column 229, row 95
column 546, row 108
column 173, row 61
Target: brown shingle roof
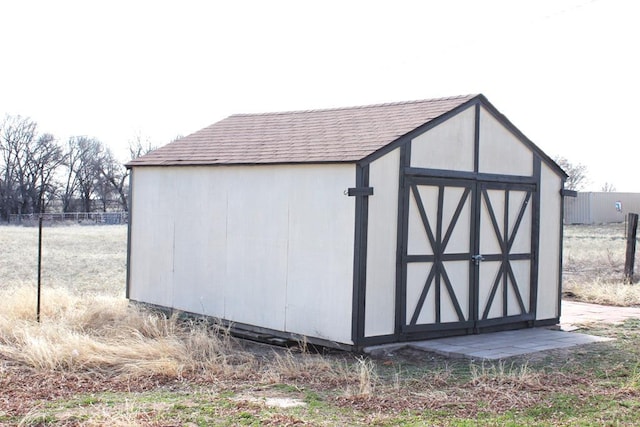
column 334, row 135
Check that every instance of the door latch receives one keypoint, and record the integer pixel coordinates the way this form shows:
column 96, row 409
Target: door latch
column 477, row 258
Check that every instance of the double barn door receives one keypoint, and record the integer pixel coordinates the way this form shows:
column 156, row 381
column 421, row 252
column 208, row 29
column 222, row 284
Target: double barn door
column 468, row 258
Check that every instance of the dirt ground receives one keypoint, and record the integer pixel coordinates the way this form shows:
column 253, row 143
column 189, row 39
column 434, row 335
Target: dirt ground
column 23, row 389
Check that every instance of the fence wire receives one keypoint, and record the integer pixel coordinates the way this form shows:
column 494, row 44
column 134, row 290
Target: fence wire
column 77, row 217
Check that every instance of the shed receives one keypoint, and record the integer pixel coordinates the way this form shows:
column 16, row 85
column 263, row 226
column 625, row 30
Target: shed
column 352, row 226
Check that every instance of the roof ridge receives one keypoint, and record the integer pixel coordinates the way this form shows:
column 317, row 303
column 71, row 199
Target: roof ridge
column 355, row 107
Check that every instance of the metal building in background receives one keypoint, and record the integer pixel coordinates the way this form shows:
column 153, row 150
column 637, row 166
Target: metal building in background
column 600, row 207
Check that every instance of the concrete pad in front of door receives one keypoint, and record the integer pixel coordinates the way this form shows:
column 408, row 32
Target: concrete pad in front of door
column 495, row 345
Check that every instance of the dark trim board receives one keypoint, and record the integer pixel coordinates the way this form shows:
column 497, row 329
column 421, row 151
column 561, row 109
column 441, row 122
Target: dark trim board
column 476, row 140
column 461, row 326
column 559, row 296
column 411, row 336
column 448, row 174
column 360, row 191
column 129, row 223
column 360, row 253
column 428, row 335
column 402, row 227
column 546, row 322
column 535, row 233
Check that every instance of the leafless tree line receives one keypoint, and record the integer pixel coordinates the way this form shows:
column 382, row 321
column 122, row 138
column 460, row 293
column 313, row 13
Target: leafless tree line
column 38, row 173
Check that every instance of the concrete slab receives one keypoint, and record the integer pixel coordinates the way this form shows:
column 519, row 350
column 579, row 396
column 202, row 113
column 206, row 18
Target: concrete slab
column 576, row 313
column 500, row 345
column 496, row 345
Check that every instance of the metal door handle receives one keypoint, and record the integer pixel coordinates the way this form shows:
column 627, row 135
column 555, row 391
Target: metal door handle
column 477, row 258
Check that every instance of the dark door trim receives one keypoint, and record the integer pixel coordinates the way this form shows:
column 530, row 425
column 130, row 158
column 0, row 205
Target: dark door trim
column 505, row 278
column 438, row 281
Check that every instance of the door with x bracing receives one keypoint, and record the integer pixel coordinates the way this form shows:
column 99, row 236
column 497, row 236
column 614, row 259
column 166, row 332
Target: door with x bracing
column 467, row 255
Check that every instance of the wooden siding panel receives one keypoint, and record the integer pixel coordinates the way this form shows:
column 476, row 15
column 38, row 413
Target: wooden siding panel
column 268, row 246
column 256, row 229
column 320, row 253
column 501, row 152
column 200, row 249
column 151, row 262
column 549, row 256
column 448, row 146
column 381, row 245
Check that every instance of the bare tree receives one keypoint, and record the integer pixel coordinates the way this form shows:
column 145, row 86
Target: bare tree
column 86, row 172
column 93, row 174
column 30, row 166
column 72, row 159
column 27, row 165
column 16, row 134
column 608, row 187
column 140, row 146
column 577, row 173
column 115, row 176
column 43, row 159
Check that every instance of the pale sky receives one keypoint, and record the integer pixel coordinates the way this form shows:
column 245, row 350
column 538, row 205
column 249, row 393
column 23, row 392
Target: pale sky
column 565, row 72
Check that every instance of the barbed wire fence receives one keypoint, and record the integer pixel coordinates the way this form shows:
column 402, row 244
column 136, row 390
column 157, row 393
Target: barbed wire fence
column 106, row 218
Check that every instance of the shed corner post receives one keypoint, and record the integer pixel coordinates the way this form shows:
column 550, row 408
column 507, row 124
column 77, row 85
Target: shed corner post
column 563, row 193
column 129, row 221
column 361, row 192
column 535, row 238
column 401, row 243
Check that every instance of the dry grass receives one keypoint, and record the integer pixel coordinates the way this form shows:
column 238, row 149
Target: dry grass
column 91, row 340
column 86, row 323
column 503, row 373
column 103, row 333
column 88, row 326
column 594, row 258
column 80, row 258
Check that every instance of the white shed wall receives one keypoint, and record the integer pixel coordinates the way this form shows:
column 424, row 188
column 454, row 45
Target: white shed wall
column 549, row 254
column 381, row 245
column 500, row 151
column 447, row 146
column 269, row 246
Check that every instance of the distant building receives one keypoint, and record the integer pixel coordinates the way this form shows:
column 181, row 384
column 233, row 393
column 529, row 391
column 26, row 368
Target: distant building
column 600, row 207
